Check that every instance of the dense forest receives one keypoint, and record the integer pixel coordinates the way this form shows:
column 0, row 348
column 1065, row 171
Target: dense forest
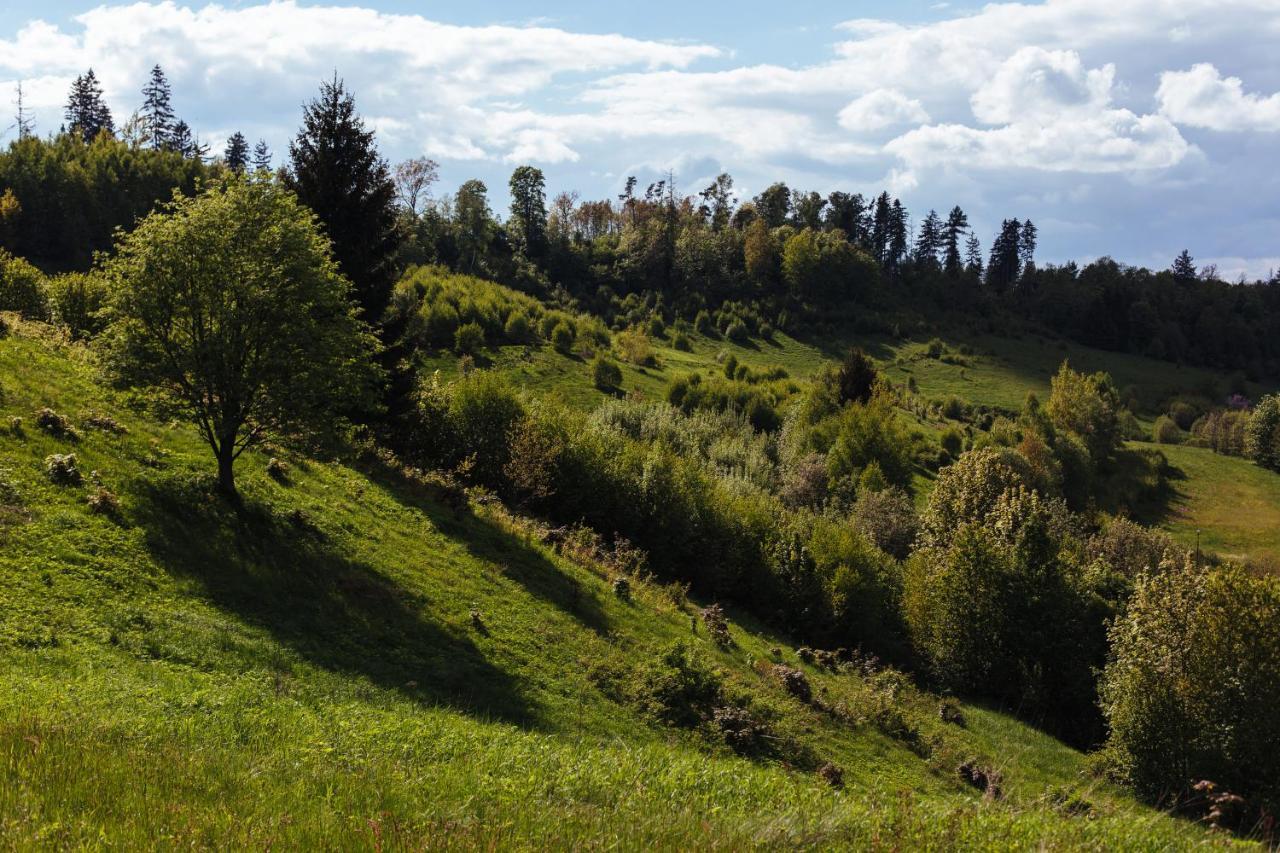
column 310, row 306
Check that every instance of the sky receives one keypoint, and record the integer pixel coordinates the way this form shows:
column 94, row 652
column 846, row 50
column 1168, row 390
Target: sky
column 1129, row 128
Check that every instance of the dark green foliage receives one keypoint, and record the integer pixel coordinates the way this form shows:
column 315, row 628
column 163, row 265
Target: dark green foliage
column 22, row 288
column 78, row 301
column 468, row 339
column 562, row 337
column 336, row 170
column 678, row 687
column 87, row 114
column 236, row 155
column 75, row 195
column 1166, row 431
column 857, row 378
column 606, row 375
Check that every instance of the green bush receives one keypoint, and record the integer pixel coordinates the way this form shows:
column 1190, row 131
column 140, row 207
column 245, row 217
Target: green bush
column 869, row 432
column 562, row 338
column 481, row 410
column 737, row 332
column 1193, row 685
column 967, row 492
column 1262, row 433
column 518, row 330
column 702, row 323
column 935, row 349
column 606, row 375
column 682, row 342
column 22, row 288
column 657, row 328
column 78, row 300
column 1166, row 431
column 953, row 442
column 678, row 687
column 468, row 339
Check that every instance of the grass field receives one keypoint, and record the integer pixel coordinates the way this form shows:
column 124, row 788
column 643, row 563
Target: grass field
column 1228, row 504
column 345, row 663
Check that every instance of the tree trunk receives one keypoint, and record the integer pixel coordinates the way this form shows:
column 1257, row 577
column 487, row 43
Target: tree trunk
column 226, row 468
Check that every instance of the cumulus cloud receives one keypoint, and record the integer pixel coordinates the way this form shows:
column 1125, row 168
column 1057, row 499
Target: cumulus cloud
column 1202, row 97
column 1042, row 84
column 880, row 109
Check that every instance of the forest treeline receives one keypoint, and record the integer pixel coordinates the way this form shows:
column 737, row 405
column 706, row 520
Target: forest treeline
column 785, row 258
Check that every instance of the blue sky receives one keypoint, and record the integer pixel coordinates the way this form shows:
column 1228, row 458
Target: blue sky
column 1130, row 128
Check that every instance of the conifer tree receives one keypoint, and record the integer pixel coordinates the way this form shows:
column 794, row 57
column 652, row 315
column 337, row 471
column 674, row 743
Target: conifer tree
column 1004, row 266
column 897, row 235
column 87, row 113
column 23, row 123
column 880, row 229
column 1027, row 247
column 973, row 256
column 848, row 213
column 261, row 157
column 237, row 153
column 336, row 170
column 157, row 113
column 930, row 239
column 957, row 224
column 1184, row 267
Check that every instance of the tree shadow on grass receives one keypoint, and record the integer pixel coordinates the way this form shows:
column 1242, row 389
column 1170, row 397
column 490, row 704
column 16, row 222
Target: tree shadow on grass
column 279, row 572
column 488, row 541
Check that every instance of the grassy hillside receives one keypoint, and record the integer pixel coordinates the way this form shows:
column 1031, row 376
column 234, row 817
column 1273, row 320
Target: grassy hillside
column 347, row 661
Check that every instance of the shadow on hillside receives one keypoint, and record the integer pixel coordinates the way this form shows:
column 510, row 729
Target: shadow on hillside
column 280, row 573
column 485, row 540
column 1142, row 486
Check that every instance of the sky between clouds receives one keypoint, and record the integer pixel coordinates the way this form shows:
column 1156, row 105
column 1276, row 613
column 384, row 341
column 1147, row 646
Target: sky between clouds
column 1125, row 127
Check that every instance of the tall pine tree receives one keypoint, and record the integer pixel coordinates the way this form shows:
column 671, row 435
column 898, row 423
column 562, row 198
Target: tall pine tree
column 237, row 154
column 1005, row 265
column 1027, row 248
column 973, row 256
column 930, row 240
column 897, row 235
column 87, row 113
column 336, row 170
column 261, row 157
column 880, row 229
column 957, row 224
column 1184, row 267
column 157, row 113
column 528, row 225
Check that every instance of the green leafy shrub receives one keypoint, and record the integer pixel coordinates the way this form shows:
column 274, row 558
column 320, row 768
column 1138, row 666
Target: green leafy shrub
column 606, row 375
column 678, row 687
column 562, row 338
column 738, row 332
column 518, row 329
column 468, row 339
column 1262, row 434
column 56, row 425
column 63, row 469
column 1193, row 684
column 78, row 300
column 682, row 342
column 935, row 348
column 868, row 433
column 967, row 492
column 1166, row 431
column 952, row 441
column 888, row 518
column 22, row 288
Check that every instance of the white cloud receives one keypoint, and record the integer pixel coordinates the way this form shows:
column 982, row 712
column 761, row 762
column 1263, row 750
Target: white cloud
column 1202, row 97
column 880, row 109
column 1042, row 84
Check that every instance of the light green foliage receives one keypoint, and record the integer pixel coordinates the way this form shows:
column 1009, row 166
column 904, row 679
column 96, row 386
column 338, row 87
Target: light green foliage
column 22, row 287
column 562, row 338
column 1194, row 682
column 230, row 306
column 78, row 301
column 468, row 339
column 968, row 491
column 1087, row 406
column 1262, row 434
column 606, row 375
column 821, row 266
column 869, row 432
column 1166, row 431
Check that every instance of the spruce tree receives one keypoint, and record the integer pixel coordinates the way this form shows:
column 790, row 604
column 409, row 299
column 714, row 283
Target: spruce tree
column 848, row 213
column 1027, row 247
column 880, row 229
column 261, row 157
column 973, row 256
column 930, row 239
column 87, row 113
column 336, row 170
column 1184, row 267
column 157, row 113
column 957, row 224
column 237, row 153
column 1005, row 266
column 897, row 234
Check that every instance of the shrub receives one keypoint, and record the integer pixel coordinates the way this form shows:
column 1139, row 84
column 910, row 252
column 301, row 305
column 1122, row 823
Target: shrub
column 481, row 410
column 952, row 441
column 22, row 288
column 870, row 433
column 606, row 375
column 804, row 483
column 682, row 342
column 278, row 470
column 1184, row 414
column 679, row 687
column 702, row 323
column 744, row 733
column 717, row 625
column 857, row 378
column 58, row 426
column 730, row 366
column 468, row 339
column 657, row 328
column 518, row 330
column 633, row 347
column 793, row 681
column 63, row 469
column 935, row 349
column 967, row 491
column 832, row 775
column 1193, row 684
column 1166, row 431
column 105, row 423
column 104, row 502
column 622, row 588
column 737, row 332
column 562, row 338
column 1087, row 406
column 888, row 518
column 953, row 408
column 78, row 300
column 1262, row 434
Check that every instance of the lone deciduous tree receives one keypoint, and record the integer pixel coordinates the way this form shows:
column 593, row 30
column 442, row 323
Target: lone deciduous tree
column 229, row 306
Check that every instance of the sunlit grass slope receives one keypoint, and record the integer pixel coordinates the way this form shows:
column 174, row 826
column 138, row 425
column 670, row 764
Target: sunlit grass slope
column 344, row 662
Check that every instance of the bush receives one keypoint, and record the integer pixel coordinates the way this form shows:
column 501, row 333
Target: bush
column 78, row 300
column 952, row 441
column 953, row 408
column 870, row 433
column 935, row 349
column 1166, row 431
column 22, row 288
column 1193, row 685
column 63, row 469
column 633, row 347
column 481, row 410
column 518, row 330
column 104, row 502
column 606, row 375
column 1262, row 434
column 702, row 323
column 468, row 339
column 562, row 338
column 717, row 625
column 857, row 378
column 278, row 470
column 657, row 328
column 888, row 518
column 679, row 687
column 682, row 342
column 793, row 681
column 967, row 492
column 737, row 332
column 58, row 426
